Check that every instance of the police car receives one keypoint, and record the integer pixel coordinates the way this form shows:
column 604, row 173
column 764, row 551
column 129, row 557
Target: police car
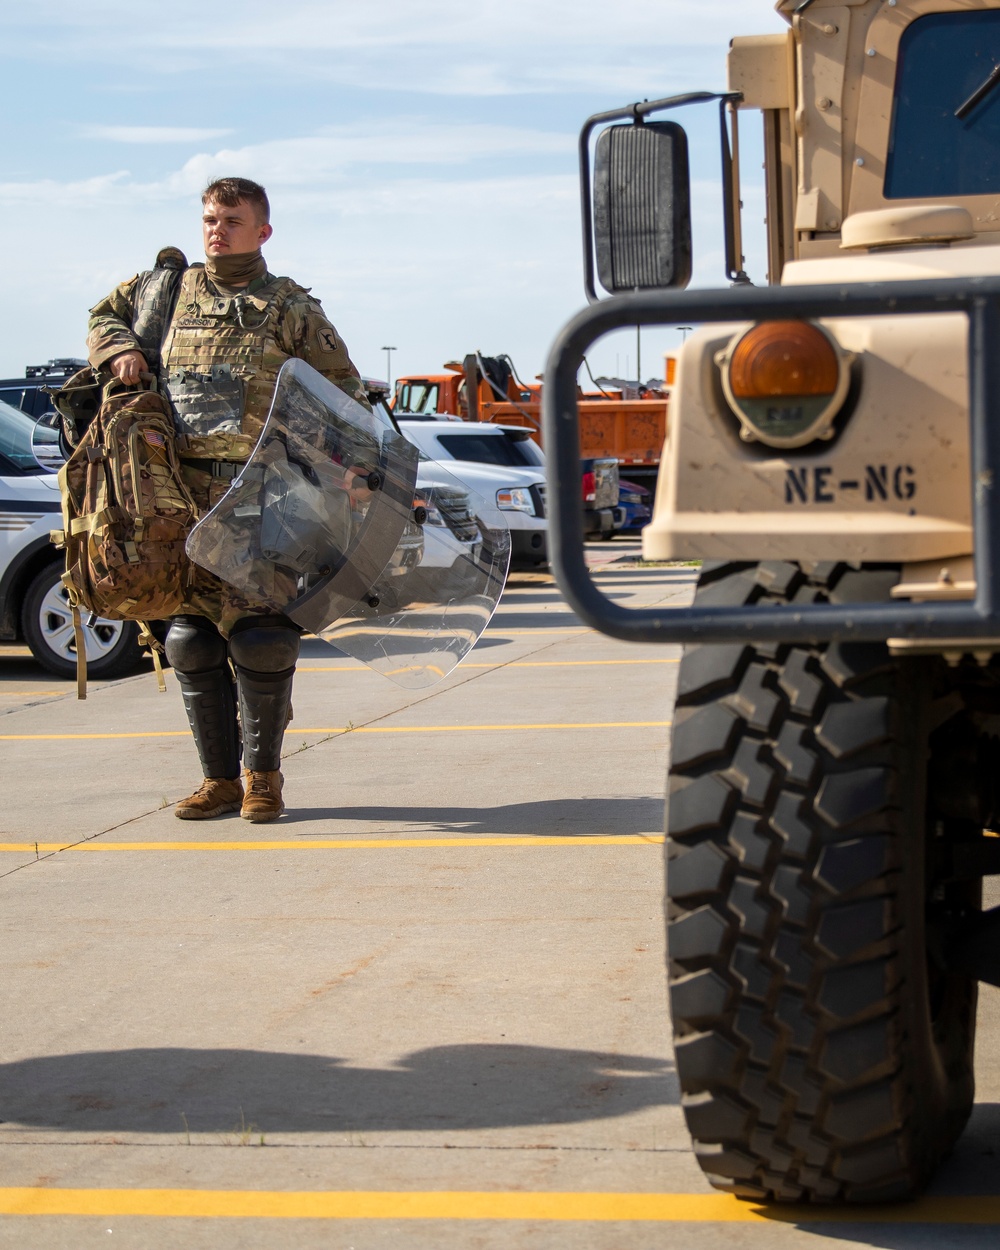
column 33, row 604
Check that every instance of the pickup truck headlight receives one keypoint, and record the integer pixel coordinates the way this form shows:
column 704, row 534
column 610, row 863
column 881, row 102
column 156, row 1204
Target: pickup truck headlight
column 785, row 381
column 516, row 499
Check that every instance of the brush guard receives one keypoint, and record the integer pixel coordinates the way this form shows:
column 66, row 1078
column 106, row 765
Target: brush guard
column 969, row 621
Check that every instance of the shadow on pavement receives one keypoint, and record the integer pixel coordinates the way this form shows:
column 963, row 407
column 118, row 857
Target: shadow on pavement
column 571, row 818
column 558, row 619
column 538, row 594
column 442, row 1088
column 972, row 1171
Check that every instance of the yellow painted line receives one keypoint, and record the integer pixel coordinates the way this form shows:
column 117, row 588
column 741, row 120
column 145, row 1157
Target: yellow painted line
column 26, row 694
column 343, row 844
column 363, row 668
column 172, row 733
column 466, row 1205
column 363, row 729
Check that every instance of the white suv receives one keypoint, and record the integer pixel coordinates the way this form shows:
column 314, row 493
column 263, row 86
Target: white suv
column 503, row 464
column 33, row 604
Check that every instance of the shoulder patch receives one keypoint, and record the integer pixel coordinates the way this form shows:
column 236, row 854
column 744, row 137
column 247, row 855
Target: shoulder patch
column 327, row 339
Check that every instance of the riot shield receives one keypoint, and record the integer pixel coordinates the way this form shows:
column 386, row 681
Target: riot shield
column 332, row 523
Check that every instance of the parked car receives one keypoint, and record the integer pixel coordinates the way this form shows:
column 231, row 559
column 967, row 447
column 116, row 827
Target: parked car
column 34, row 608
column 634, row 509
column 502, row 464
column 452, row 543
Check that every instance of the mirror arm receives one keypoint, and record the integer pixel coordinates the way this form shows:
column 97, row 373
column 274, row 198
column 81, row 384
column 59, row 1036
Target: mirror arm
column 637, row 113
column 731, row 193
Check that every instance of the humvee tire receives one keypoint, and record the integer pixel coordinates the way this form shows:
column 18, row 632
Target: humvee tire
column 823, row 1055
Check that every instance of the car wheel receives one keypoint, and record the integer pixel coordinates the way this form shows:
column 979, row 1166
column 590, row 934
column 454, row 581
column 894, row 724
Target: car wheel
column 823, row 1051
column 47, row 626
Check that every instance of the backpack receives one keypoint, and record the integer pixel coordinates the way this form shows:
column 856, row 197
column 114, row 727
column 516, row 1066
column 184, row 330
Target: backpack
column 126, row 510
column 126, row 515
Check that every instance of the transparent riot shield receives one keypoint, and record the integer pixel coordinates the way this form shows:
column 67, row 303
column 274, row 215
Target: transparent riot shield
column 333, row 523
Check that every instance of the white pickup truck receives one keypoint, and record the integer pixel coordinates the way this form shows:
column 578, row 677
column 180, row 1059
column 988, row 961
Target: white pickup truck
column 502, row 464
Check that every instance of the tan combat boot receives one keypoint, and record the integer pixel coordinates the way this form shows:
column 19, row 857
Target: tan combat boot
column 263, row 797
column 216, row 796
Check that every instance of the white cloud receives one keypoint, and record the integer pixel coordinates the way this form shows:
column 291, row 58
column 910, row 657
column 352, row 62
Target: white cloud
column 101, row 189
column 152, row 134
column 437, row 47
column 311, row 162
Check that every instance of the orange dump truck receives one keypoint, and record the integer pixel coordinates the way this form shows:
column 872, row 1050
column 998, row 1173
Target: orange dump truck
column 629, row 430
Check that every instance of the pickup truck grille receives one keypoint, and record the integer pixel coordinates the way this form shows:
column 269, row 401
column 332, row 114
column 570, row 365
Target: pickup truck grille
column 454, row 508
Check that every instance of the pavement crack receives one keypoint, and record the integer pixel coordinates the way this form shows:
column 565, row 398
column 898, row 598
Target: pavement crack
column 91, row 837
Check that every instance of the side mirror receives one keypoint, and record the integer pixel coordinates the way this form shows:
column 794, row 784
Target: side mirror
column 45, row 446
column 642, row 207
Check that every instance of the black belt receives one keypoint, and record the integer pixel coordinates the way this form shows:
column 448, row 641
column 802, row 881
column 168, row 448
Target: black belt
column 217, row 468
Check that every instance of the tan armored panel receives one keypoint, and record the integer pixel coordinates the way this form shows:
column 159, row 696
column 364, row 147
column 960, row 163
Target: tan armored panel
column 845, row 55
column 866, row 158
column 907, row 223
column 762, row 68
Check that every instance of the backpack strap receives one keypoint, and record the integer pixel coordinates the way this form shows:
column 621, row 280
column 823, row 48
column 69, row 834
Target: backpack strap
column 155, row 298
column 81, row 654
column 149, row 640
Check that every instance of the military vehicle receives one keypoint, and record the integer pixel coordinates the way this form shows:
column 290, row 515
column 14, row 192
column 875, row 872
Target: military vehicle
column 833, row 458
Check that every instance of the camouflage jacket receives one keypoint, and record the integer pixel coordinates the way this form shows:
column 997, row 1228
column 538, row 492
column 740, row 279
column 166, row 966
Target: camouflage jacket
column 236, row 341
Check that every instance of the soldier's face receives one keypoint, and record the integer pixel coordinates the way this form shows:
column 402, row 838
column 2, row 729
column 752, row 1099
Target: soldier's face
column 231, row 230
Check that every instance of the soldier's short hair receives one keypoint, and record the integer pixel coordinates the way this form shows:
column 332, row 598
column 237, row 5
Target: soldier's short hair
column 231, row 191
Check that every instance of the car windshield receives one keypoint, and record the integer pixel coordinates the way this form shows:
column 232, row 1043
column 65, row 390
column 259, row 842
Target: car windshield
column 937, row 147
column 417, row 397
column 15, row 439
column 510, row 450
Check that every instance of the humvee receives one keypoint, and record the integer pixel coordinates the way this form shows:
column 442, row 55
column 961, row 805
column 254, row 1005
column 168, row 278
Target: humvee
column 833, row 459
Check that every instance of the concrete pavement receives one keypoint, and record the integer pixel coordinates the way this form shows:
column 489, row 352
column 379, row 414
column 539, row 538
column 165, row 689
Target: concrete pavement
column 426, row 1008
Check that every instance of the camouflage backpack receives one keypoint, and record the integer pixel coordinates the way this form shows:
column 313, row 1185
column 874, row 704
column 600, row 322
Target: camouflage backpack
column 126, row 511
column 126, row 515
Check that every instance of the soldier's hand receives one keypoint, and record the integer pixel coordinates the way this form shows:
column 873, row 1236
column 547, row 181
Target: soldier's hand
column 129, row 367
column 356, row 482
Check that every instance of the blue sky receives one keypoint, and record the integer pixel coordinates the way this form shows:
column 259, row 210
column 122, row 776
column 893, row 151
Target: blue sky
column 419, row 155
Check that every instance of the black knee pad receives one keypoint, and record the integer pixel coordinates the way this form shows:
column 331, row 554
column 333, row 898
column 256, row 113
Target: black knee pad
column 194, row 645
column 263, row 646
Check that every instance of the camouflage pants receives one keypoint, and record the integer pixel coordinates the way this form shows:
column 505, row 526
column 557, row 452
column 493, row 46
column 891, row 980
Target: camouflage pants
column 207, row 595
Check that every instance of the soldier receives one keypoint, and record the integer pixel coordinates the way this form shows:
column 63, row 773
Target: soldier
column 231, row 328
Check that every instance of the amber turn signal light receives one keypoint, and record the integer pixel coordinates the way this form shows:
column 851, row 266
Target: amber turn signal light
column 786, row 381
column 783, row 358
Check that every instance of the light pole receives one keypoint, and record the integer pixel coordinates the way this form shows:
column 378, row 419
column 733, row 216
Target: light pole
column 388, row 363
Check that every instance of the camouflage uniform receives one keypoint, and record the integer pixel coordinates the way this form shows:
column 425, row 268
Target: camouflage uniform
column 220, row 358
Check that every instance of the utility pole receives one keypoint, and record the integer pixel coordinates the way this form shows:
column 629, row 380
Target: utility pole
column 388, row 364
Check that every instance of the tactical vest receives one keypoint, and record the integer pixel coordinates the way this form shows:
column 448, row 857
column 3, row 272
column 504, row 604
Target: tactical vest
column 221, row 355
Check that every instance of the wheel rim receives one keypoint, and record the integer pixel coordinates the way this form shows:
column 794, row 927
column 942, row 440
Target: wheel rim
column 55, row 623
